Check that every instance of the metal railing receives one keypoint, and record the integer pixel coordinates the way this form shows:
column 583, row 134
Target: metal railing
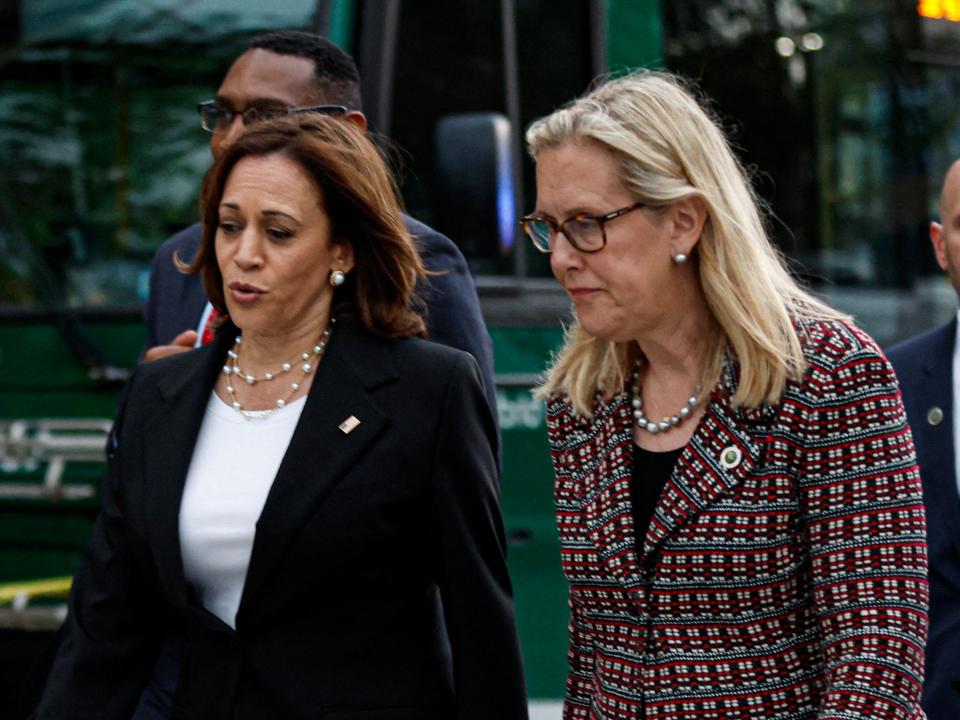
column 27, row 445
column 17, row 613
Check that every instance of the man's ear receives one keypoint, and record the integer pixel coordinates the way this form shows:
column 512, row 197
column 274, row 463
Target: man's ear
column 938, row 242
column 357, row 118
column 687, row 216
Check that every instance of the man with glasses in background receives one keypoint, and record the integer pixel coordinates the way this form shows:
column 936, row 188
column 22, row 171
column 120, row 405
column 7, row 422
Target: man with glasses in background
column 283, row 72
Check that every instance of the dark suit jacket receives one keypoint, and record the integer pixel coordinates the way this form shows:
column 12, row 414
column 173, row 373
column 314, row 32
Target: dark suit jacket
column 177, row 300
column 924, row 366
column 361, row 536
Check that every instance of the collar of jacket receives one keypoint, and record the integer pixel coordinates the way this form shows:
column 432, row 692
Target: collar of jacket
column 699, row 479
column 319, row 454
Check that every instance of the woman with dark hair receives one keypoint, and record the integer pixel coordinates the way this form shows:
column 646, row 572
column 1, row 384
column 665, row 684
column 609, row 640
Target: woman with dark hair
column 309, row 503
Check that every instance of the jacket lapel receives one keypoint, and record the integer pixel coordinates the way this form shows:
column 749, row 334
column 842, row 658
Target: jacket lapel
column 607, row 506
column 699, row 478
column 320, row 454
column 721, row 453
column 167, row 447
column 936, row 442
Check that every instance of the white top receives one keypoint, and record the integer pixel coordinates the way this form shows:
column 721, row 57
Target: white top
column 233, row 467
column 956, row 406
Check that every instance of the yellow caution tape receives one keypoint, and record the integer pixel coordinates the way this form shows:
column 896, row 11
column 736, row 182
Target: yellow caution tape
column 48, row 587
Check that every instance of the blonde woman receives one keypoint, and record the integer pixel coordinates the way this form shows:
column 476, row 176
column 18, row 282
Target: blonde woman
column 737, row 495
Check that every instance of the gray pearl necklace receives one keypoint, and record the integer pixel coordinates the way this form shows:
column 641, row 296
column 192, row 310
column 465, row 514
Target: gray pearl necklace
column 668, row 423
column 309, row 359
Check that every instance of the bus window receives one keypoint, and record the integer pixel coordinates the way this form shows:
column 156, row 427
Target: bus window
column 451, row 58
column 100, row 142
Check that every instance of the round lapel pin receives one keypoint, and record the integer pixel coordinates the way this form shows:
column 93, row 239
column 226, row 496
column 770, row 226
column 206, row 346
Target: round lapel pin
column 934, row 416
column 731, row 457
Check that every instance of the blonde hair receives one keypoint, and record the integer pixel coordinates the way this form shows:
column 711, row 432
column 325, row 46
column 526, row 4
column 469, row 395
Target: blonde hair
column 669, row 149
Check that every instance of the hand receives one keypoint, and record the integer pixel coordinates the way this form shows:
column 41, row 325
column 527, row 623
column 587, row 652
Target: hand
column 181, row 343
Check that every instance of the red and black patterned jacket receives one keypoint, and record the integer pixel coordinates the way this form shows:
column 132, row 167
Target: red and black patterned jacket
column 784, row 572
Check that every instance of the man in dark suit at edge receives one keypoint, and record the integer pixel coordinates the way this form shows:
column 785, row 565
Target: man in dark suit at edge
column 928, row 367
column 279, row 72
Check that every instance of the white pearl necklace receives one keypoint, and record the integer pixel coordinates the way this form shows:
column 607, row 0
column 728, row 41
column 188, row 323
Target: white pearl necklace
column 307, row 361
column 668, row 423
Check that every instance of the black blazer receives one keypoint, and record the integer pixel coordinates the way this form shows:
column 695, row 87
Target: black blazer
column 176, row 300
column 924, row 366
column 361, row 536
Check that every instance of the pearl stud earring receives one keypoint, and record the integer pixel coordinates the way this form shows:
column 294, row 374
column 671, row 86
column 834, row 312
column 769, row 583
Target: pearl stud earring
column 337, row 278
column 679, row 258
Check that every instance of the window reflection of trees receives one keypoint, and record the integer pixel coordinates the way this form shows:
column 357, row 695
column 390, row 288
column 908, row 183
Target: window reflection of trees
column 99, row 138
column 834, row 104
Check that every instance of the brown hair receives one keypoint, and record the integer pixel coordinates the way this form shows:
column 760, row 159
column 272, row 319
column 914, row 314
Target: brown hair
column 360, row 197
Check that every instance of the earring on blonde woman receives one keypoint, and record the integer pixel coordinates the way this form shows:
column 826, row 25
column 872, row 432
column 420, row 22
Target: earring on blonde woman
column 679, row 258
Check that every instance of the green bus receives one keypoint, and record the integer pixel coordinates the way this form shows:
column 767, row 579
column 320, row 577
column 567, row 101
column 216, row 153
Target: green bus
column 843, row 109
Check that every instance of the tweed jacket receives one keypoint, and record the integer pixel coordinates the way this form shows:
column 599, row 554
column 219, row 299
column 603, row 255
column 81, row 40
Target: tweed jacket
column 783, row 574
